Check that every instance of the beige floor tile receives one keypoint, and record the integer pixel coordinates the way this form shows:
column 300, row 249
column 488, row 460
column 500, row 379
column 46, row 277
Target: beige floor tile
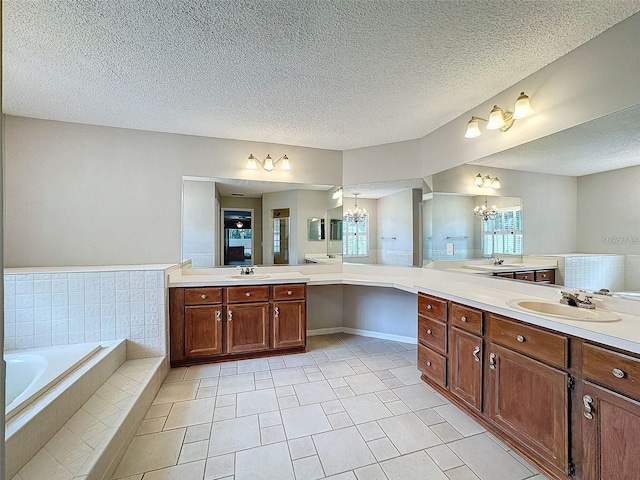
column 333, row 406
column 43, row 465
column 383, row 449
column 378, row 362
column 398, row 407
column 271, row 462
column 370, row 431
column 151, row 425
column 304, row 421
column 194, row 451
column 207, row 392
column 288, row 376
column 370, row 472
column 429, row 416
column 236, row 383
column 336, row 369
column 224, row 413
column 156, row 411
column 365, row 383
column 308, row 468
column 418, row 397
column 408, row 375
column 192, row 471
column 176, row 392
column 408, row 433
column 444, row 457
column 196, row 433
column 233, row 435
column 314, row 392
column 487, row 460
column 365, row 408
column 445, row 432
column 459, row 420
column 258, row 401
column 461, row 473
column 198, row 372
column 299, row 360
column 339, row 420
column 412, row 467
column 272, row 434
column 301, row 447
column 226, row 400
column 191, row 412
column 151, row 452
column 288, row 402
column 220, row 466
column 342, row 450
column 255, row 365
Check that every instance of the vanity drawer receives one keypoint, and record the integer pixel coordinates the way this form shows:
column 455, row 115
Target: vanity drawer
column 289, row 292
column 252, row 293
column 432, row 334
column 540, row 344
column 545, row 276
column 432, row 365
column 528, row 276
column 432, row 307
column 612, row 369
column 202, row 296
column 466, row 318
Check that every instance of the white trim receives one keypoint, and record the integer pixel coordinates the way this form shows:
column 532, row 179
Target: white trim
column 324, row 331
column 363, row 333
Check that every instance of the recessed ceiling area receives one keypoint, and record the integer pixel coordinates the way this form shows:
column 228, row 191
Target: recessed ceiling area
column 336, row 74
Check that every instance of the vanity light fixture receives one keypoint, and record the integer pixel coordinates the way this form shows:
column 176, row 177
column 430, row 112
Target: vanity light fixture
column 268, row 163
column 483, row 212
column 487, row 182
column 499, row 119
column 356, row 215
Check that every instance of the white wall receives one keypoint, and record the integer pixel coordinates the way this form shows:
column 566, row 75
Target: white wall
column 88, row 195
column 311, row 204
column 395, row 220
column 609, row 212
column 270, row 201
column 198, row 222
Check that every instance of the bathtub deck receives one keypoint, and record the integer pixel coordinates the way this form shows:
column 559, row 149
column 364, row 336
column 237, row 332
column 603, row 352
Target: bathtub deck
column 91, row 443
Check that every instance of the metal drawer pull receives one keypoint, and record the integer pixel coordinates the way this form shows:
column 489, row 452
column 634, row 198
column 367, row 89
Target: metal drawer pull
column 248, row 294
column 203, row 296
column 587, row 400
column 428, row 332
column 464, row 319
column 289, row 292
column 230, row 315
column 520, row 338
column 428, row 364
column 492, row 361
column 429, row 307
column 618, row 373
column 276, row 313
column 475, row 353
column 218, row 315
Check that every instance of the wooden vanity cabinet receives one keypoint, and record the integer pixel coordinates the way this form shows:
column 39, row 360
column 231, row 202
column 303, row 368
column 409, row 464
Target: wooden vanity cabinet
column 538, row 276
column 209, row 324
column 432, row 338
column 610, row 414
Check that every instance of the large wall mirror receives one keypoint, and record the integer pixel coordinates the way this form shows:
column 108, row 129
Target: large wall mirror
column 230, row 222
column 580, row 199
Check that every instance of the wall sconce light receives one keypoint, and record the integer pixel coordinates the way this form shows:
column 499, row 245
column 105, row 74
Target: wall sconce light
column 499, row 119
column 487, row 182
column 268, row 164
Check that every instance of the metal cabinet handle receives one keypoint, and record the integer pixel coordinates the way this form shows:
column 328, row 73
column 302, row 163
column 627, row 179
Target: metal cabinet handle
column 248, row 294
column 618, row 373
column 203, row 296
column 588, row 408
column 429, row 307
column 428, row 332
column 218, row 315
column 276, row 313
column 520, row 338
column 289, row 292
column 464, row 319
column 230, row 315
column 475, row 353
column 492, row 361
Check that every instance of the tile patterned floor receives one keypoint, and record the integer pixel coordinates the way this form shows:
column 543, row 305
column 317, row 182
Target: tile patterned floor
column 351, row 408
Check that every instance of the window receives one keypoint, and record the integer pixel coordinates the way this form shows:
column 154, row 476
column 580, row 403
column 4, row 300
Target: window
column 355, row 240
column 504, row 233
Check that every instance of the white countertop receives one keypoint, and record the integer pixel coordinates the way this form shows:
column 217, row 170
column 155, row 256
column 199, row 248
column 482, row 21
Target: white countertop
column 486, row 293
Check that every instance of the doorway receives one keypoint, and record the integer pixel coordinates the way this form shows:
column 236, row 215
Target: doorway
column 237, row 237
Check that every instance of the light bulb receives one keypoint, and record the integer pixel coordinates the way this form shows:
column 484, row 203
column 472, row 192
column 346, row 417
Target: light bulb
column 523, row 107
column 473, row 129
column 496, row 118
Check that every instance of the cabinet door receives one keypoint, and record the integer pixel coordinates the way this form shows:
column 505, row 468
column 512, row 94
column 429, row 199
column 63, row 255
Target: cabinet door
column 529, row 401
column 610, row 435
column 465, row 372
column 203, row 331
column 247, row 327
column 288, row 325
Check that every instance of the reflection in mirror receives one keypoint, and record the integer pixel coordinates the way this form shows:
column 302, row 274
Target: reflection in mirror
column 315, row 229
column 579, row 188
column 391, row 233
column 211, row 240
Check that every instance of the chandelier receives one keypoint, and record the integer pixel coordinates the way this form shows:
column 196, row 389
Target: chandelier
column 356, row 215
column 483, row 212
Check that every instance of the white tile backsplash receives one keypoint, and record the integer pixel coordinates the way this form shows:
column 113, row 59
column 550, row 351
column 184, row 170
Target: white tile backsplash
column 43, row 309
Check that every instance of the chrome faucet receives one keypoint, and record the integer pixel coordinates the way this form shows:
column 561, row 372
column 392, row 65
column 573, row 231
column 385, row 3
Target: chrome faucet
column 498, row 261
column 246, row 270
column 573, row 300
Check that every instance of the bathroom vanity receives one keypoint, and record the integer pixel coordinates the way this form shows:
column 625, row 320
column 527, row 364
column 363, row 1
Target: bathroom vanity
column 569, row 405
column 215, row 321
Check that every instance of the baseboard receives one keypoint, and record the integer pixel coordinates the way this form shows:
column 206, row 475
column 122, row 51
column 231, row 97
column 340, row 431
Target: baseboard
column 324, row 331
column 363, row 333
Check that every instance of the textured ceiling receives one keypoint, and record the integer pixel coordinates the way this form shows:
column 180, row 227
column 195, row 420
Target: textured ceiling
column 607, row 143
column 333, row 74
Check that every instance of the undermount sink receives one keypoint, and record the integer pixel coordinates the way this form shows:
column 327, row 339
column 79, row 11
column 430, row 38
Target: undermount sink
column 555, row 309
column 251, row 276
